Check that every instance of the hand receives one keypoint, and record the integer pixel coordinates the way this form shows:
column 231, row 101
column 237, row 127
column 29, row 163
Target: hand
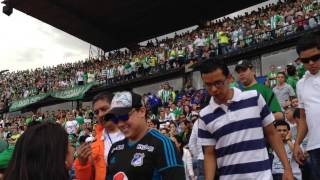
column 84, row 152
column 298, row 154
column 287, row 175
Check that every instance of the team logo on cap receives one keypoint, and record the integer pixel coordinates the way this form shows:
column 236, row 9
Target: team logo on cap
column 137, row 159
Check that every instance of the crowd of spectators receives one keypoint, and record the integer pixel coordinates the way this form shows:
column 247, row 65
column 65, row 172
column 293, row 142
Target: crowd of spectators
column 172, row 112
column 166, row 106
column 220, row 37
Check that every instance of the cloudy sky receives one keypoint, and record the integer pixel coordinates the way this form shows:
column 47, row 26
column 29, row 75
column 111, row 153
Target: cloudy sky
column 27, row 43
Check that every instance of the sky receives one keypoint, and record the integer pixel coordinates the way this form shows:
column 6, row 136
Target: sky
column 27, row 43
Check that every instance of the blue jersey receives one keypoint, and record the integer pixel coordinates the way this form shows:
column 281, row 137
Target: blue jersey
column 153, row 157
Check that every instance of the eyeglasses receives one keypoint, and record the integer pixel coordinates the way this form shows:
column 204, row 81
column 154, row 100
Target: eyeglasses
column 217, row 84
column 312, row 58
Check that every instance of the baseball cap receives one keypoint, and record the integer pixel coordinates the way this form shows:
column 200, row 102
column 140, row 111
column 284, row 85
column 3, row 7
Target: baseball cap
column 123, row 102
column 243, row 65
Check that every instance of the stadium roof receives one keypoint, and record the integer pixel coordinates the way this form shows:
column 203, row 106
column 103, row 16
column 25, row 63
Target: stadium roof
column 113, row 24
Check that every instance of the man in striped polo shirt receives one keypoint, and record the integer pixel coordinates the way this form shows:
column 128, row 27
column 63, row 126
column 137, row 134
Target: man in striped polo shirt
column 232, row 130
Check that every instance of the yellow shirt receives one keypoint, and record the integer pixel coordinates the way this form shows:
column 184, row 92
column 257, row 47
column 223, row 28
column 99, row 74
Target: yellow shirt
column 224, row 39
column 153, row 61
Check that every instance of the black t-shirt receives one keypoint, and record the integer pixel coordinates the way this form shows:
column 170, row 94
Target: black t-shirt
column 153, row 157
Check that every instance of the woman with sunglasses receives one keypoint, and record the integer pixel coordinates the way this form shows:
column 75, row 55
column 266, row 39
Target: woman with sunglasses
column 144, row 153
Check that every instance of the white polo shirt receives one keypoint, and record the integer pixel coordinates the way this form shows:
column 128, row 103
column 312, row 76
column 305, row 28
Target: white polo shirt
column 308, row 90
column 236, row 132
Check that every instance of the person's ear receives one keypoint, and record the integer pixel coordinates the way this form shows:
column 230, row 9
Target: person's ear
column 253, row 71
column 142, row 111
column 229, row 77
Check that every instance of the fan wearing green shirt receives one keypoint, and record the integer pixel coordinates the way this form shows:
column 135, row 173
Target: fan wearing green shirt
column 292, row 78
column 177, row 111
column 272, row 76
column 300, row 68
column 5, row 156
column 80, row 118
column 246, row 75
column 233, row 83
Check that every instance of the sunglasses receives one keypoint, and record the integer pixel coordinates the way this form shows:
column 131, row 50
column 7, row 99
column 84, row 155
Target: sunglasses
column 312, row 58
column 116, row 119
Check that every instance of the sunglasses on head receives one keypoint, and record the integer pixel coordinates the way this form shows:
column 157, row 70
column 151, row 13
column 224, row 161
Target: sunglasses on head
column 312, row 58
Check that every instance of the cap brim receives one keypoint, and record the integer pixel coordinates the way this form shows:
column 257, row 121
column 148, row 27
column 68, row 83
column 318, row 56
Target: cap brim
column 119, row 111
column 240, row 67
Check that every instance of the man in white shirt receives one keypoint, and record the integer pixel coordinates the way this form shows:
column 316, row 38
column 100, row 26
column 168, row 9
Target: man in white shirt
column 26, row 93
column 121, row 72
column 71, row 125
column 79, row 76
column 110, row 74
column 91, row 76
column 308, row 89
column 199, row 44
column 196, row 150
column 233, row 130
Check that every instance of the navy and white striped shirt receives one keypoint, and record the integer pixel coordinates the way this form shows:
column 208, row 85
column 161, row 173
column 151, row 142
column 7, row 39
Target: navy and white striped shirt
column 236, row 132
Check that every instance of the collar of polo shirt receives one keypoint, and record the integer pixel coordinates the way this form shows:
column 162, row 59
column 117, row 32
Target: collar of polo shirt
column 236, row 98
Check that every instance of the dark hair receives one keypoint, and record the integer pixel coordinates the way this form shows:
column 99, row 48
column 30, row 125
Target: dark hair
column 209, row 66
column 102, row 96
column 281, row 123
column 40, row 153
column 308, row 41
column 182, row 144
column 291, row 70
column 33, row 123
column 179, row 140
column 156, row 122
column 282, row 73
column 171, row 122
column 82, row 139
column 167, row 130
column 296, row 113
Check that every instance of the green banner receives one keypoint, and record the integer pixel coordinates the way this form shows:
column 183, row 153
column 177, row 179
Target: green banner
column 19, row 104
column 75, row 93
